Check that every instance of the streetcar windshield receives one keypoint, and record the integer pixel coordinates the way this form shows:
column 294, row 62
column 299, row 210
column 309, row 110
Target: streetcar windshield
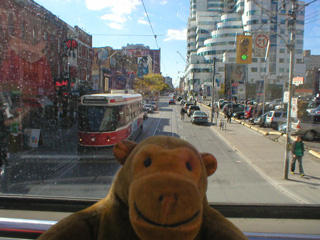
column 97, row 118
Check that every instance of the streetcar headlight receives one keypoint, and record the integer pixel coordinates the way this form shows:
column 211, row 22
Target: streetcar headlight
column 93, row 139
column 108, row 139
column 80, row 139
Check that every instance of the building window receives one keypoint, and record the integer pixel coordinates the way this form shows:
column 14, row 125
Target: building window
column 23, row 30
column 281, row 70
column 10, row 24
column 254, row 69
column 282, row 50
column 281, row 60
column 263, row 70
column 35, row 35
column 254, row 59
column 45, row 36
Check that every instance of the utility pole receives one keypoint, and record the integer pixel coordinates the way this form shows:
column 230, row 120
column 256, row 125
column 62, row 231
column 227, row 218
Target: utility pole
column 193, row 87
column 292, row 28
column 212, row 91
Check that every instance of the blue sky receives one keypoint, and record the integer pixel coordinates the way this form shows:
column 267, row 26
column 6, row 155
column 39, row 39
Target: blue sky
column 108, row 21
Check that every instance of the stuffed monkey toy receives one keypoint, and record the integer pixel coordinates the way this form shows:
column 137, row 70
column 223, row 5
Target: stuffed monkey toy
column 158, row 194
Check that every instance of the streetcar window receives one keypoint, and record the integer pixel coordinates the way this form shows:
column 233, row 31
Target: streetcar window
column 97, row 118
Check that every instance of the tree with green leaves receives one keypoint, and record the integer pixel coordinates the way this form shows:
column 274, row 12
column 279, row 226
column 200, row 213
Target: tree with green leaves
column 150, row 83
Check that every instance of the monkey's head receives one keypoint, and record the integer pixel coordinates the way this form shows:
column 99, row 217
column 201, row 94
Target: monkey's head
column 163, row 181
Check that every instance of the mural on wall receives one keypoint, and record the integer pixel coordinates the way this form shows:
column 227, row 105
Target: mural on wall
column 235, row 75
column 143, row 66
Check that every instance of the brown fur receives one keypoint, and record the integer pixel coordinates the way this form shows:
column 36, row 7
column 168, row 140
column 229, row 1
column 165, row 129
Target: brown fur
column 159, row 193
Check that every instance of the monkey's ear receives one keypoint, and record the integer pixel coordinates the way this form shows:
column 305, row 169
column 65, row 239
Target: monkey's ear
column 122, row 150
column 210, row 162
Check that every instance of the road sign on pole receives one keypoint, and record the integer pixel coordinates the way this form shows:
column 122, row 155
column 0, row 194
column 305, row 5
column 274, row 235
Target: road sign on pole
column 260, row 45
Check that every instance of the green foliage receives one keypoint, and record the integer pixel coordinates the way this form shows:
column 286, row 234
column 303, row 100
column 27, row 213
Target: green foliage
column 149, row 83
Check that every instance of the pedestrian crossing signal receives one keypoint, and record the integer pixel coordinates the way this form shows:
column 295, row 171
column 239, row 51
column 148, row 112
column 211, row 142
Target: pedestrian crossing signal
column 244, row 49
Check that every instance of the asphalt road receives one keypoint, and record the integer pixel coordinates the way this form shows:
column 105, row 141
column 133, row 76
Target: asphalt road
column 57, row 170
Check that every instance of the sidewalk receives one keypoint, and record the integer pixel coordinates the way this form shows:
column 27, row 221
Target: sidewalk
column 267, row 158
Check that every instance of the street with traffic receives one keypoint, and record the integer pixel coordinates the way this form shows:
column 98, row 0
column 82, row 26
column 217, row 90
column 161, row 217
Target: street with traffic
column 250, row 162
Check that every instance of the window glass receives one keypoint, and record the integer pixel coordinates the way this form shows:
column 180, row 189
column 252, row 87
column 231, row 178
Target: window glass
column 56, row 56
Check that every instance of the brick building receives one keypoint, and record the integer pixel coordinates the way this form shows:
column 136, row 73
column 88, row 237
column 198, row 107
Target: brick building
column 43, row 60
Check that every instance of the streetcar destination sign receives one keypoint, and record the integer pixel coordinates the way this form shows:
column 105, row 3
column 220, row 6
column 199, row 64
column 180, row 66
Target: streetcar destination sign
column 95, row 101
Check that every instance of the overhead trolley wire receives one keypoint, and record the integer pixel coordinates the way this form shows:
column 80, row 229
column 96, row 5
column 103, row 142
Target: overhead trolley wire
column 155, row 36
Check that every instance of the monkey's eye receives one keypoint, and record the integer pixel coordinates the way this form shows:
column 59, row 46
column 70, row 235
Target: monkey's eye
column 189, row 166
column 147, row 162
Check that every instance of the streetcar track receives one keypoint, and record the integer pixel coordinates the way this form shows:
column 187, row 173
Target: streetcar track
column 56, row 179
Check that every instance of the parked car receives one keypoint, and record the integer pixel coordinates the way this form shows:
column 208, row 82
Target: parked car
column 172, row 101
column 191, row 109
column 235, row 107
column 238, row 115
column 312, row 106
column 260, row 120
column 315, row 110
column 222, row 104
column 283, row 128
column 199, row 117
column 186, row 105
column 275, row 118
column 148, row 108
column 248, row 113
column 308, row 126
column 182, row 102
column 179, row 98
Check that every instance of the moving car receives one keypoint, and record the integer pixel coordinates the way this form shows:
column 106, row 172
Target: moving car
column 155, row 105
column 148, row 108
column 191, row 109
column 172, row 101
column 199, row 117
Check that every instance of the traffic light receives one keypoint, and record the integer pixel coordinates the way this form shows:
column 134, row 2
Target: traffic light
column 244, row 49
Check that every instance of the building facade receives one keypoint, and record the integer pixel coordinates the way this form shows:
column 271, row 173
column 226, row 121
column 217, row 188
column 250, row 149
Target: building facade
column 118, row 68
column 43, row 61
column 213, row 27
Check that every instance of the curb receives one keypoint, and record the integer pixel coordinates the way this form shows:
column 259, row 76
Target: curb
column 314, row 153
column 265, row 133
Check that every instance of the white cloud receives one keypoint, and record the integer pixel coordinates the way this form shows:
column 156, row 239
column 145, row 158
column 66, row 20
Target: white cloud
column 173, row 34
column 115, row 25
column 119, row 10
column 142, row 21
column 114, row 18
column 163, row 2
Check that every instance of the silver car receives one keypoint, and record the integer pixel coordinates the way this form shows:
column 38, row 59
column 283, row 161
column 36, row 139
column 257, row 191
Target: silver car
column 275, row 119
column 308, row 126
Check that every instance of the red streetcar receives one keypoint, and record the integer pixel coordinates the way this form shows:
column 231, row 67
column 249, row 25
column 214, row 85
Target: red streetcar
column 105, row 119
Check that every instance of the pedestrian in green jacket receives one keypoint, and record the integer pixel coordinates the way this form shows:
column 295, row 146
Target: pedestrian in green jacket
column 297, row 154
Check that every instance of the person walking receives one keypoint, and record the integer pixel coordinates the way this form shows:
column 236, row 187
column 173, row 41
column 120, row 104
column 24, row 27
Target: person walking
column 229, row 115
column 297, row 154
